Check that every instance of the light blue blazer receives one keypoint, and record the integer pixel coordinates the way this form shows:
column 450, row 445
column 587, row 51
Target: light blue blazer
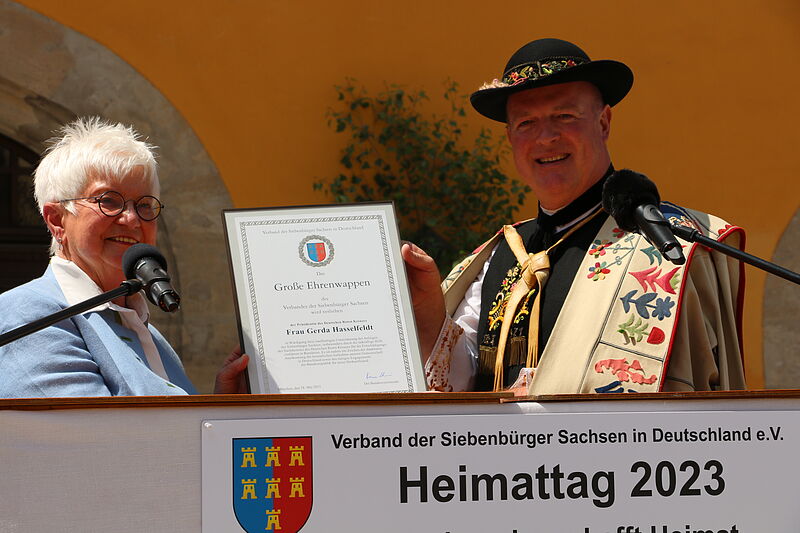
column 91, row 354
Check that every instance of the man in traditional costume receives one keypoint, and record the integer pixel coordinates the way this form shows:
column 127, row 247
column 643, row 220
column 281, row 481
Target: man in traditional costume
column 568, row 302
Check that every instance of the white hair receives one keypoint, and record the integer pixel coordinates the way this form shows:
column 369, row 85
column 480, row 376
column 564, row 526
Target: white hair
column 90, row 148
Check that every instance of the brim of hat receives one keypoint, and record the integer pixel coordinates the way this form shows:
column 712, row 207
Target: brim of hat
column 612, row 78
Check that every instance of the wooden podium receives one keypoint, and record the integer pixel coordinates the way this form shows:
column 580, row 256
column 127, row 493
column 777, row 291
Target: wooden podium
column 432, row 462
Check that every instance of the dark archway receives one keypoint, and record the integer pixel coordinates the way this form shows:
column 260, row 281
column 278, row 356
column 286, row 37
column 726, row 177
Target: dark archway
column 24, row 240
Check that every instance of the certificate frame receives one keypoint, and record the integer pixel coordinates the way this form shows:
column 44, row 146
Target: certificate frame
column 280, row 258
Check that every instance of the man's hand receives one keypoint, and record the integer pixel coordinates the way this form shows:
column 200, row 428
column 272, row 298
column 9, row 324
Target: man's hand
column 426, row 295
column 230, row 378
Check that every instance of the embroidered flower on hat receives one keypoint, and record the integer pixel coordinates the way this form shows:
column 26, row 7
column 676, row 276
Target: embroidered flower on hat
column 494, row 84
column 539, row 69
column 531, row 71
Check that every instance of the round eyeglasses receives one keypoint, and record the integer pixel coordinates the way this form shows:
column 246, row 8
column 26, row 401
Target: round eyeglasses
column 112, row 203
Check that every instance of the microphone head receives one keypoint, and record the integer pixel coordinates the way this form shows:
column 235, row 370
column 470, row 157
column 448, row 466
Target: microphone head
column 623, row 192
column 136, row 253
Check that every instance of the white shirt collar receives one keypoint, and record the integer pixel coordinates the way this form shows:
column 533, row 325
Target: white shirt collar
column 77, row 287
column 577, row 219
column 571, row 223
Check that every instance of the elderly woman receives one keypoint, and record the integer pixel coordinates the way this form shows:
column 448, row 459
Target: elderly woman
column 97, row 189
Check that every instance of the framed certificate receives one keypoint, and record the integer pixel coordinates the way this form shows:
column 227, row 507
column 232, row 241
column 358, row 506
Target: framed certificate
column 322, row 299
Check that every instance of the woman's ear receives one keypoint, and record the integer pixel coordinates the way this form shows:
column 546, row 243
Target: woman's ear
column 53, row 214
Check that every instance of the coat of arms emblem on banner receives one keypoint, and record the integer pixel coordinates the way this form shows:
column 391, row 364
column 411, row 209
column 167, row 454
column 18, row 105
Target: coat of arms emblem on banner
column 272, row 483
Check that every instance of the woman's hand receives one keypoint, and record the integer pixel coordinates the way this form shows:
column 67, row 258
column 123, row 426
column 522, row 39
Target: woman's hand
column 231, row 377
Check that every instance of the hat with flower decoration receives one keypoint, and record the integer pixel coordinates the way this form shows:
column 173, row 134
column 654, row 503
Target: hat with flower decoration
column 548, row 62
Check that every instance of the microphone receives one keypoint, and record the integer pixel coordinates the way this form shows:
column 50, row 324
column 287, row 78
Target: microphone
column 632, row 199
column 145, row 263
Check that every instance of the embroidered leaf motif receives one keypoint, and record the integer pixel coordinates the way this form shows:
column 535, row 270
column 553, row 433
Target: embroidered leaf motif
column 642, row 303
column 665, row 281
column 673, row 282
column 633, row 329
column 645, row 276
column 653, row 278
column 126, row 339
column 652, row 254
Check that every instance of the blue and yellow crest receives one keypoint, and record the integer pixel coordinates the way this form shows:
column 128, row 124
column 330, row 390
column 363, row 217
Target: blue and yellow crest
column 272, row 483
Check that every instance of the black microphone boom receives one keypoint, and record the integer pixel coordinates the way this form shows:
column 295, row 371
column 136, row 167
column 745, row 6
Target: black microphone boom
column 632, row 200
column 127, row 287
column 145, row 263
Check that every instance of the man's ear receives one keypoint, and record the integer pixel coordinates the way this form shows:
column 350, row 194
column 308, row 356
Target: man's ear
column 605, row 122
column 53, row 214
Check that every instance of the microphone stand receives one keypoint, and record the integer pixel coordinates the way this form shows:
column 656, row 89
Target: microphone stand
column 126, row 288
column 692, row 235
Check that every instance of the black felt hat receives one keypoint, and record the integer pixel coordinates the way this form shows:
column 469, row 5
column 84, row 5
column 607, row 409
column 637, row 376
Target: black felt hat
column 548, row 62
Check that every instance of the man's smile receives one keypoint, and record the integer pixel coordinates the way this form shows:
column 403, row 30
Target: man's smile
column 552, row 159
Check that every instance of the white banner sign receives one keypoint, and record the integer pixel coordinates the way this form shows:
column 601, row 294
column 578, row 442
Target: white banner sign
column 667, row 472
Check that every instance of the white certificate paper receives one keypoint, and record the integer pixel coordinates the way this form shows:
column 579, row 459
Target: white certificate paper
column 322, row 299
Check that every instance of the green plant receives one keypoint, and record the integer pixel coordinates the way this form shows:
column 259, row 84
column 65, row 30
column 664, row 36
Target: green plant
column 449, row 192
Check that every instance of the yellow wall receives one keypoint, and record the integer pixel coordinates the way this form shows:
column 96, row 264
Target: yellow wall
column 711, row 116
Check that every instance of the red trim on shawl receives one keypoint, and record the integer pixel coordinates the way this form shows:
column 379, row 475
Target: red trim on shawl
column 739, row 305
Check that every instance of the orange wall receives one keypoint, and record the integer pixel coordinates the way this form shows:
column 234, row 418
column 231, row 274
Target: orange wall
column 711, row 116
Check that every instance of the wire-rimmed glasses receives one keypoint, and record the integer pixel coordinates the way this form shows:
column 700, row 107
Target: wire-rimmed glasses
column 112, row 203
